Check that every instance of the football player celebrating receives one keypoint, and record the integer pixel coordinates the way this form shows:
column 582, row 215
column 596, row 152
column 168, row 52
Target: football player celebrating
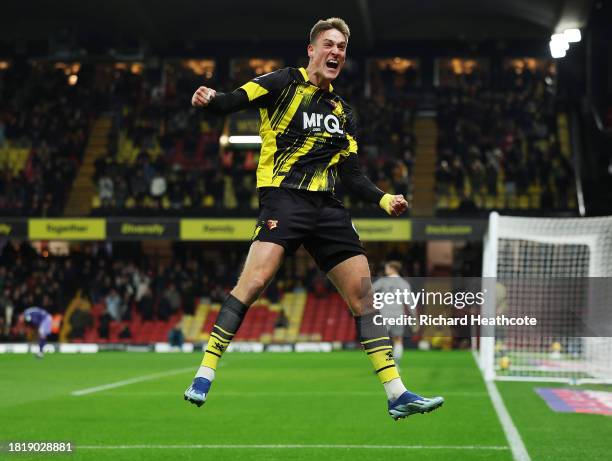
column 308, row 142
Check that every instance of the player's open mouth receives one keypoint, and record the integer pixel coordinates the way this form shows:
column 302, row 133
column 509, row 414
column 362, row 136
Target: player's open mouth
column 332, row 64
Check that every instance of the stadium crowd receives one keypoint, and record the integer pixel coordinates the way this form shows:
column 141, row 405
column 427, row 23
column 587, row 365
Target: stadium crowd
column 500, row 141
column 44, row 126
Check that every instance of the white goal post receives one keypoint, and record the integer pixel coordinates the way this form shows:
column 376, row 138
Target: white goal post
column 560, row 270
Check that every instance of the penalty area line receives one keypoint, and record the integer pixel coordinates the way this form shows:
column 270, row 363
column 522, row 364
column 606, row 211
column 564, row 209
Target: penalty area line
column 295, row 446
column 126, row 382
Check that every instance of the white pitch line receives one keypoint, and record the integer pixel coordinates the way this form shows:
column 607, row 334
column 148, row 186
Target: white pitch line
column 138, row 379
column 294, row 446
column 519, row 452
column 245, row 394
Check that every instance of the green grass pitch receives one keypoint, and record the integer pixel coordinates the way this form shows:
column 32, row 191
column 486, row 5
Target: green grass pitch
column 308, row 406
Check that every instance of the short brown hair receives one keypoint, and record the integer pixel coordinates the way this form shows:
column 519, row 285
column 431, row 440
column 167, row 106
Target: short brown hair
column 395, row 265
column 330, row 23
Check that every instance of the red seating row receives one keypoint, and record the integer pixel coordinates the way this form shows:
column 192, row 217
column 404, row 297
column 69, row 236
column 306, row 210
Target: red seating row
column 328, row 317
column 141, row 331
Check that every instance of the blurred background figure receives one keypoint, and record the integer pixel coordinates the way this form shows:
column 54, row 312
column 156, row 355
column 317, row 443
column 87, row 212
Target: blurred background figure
column 175, row 337
column 41, row 321
column 392, row 282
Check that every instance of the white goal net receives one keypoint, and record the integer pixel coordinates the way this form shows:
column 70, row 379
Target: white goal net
column 559, row 271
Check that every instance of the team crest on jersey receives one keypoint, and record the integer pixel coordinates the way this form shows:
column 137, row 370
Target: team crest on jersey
column 272, row 224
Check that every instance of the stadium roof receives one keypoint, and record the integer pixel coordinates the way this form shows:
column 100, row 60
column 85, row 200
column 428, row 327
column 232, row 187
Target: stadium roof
column 267, row 21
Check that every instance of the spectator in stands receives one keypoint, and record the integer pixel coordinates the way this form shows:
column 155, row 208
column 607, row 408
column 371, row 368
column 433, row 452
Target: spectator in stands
column 189, row 298
column 176, row 337
column 158, row 188
column 125, row 332
column 121, row 193
column 138, row 186
column 114, row 306
column 6, row 304
column 467, row 205
column 104, row 325
column 170, row 303
column 141, row 283
column 477, row 175
column 491, row 175
column 458, row 174
column 281, row 321
column 443, row 177
column 80, row 320
column 106, row 186
column 146, row 305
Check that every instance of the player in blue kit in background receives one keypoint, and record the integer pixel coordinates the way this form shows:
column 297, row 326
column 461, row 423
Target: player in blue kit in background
column 37, row 317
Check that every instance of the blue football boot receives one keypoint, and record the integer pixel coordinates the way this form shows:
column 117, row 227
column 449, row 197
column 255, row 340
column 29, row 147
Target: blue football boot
column 196, row 393
column 408, row 404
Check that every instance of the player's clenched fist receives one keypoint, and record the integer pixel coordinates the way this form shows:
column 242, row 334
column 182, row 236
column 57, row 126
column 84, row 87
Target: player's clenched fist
column 394, row 205
column 202, row 96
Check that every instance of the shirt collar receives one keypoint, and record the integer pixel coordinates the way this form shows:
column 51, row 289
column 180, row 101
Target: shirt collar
column 305, row 76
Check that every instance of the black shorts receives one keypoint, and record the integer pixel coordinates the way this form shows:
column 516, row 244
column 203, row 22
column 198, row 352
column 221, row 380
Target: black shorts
column 317, row 220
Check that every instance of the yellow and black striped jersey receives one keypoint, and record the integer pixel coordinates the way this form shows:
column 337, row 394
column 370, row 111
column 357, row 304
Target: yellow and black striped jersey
column 306, row 131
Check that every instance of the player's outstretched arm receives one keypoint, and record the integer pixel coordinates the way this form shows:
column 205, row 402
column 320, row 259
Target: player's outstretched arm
column 259, row 92
column 220, row 103
column 360, row 185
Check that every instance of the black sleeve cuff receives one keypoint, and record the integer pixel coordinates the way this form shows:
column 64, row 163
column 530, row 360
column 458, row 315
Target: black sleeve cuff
column 356, row 182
